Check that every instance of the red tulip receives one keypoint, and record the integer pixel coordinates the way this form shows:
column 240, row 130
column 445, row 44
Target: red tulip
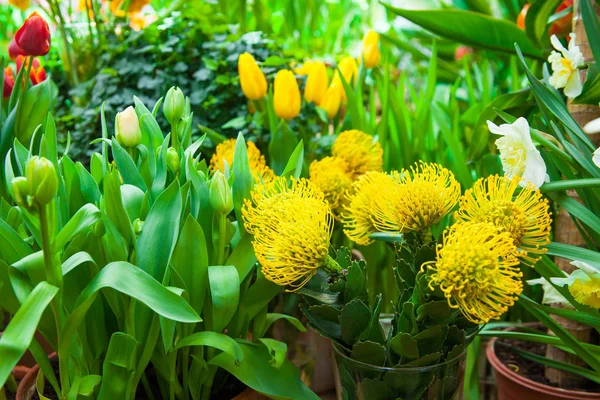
column 9, row 82
column 14, row 50
column 34, row 36
column 37, row 73
column 522, row 16
column 562, row 27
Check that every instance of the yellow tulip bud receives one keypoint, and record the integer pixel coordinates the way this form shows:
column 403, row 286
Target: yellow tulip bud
column 316, row 83
column 128, row 129
column 371, row 53
column 306, row 68
column 286, row 97
column 349, row 70
column 332, row 100
column 252, row 79
column 42, row 179
column 219, row 194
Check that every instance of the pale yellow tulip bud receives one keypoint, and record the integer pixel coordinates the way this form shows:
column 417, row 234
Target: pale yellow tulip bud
column 128, row 129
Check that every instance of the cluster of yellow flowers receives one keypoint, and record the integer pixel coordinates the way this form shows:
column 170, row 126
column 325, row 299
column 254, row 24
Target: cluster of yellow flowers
column 222, row 160
column 287, row 99
column 292, row 223
column 354, row 153
column 497, row 226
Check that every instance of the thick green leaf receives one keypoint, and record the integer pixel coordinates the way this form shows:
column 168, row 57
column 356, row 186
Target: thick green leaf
column 115, row 209
column 281, row 147
column 83, row 219
column 471, row 28
column 256, row 371
column 214, row 339
column 294, row 164
column 19, row 333
column 536, row 21
column 190, row 260
column 118, row 367
column 243, row 257
column 574, row 253
column 369, row 352
column 243, row 181
column 126, row 166
column 277, row 349
column 224, row 294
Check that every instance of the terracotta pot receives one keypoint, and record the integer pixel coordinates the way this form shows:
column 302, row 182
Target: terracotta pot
column 512, row 386
column 250, row 394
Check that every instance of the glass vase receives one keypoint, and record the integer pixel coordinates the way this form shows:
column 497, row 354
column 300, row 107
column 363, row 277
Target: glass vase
column 360, row 381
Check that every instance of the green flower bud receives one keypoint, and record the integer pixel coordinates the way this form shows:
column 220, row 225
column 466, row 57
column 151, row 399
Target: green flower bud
column 42, row 179
column 98, row 229
column 20, row 190
column 219, row 194
column 173, row 159
column 128, row 129
column 138, row 225
column 174, row 105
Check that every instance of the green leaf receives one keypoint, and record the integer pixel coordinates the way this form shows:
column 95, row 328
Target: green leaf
column 294, row 164
column 159, row 235
column 282, row 383
column 118, row 367
column 113, row 205
column 224, row 294
column 536, row 21
column 471, row 28
column 277, row 349
column 126, row 166
column 83, row 219
column 281, row 147
column 369, row 353
column 19, row 333
column 135, row 283
column 272, row 317
column 216, row 340
column 190, row 260
column 242, row 257
column 405, row 346
column 354, row 320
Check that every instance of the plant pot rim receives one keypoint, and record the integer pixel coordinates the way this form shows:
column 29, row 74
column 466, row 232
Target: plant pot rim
column 28, row 380
column 502, row 369
column 338, row 352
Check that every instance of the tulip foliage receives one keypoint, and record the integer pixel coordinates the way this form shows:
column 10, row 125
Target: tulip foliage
column 136, row 270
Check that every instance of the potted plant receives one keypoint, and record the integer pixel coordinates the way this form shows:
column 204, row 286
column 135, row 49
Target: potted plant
column 139, row 271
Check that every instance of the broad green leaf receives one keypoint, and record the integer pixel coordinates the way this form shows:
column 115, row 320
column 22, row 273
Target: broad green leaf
column 126, row 166
column 224, row 284
column 118, row 367
column 277, row 349
column 536, row 21
column 272, row 317
column 369, row 353
column 12, row 247
column 135, row 283
column 574, row 253
column 190, row 260
column 471, row 28
column 242, row 257
column 282, row 383
column 83, row 219
column 115, row 209
column 76, row 260
column 214, row 339
column 281, row 146
column 19, row 333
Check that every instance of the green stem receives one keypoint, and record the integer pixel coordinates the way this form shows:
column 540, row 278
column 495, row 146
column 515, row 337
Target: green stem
column 222, row 239
column 146, row 354
column 27, row 79
column 175, row 136
column 130, row 317
column 331, row 265
column 207, row 386
column 63, row 33
column 560, row 186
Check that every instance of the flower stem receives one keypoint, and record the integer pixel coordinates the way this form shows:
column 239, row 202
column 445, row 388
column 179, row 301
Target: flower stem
column 331, row 265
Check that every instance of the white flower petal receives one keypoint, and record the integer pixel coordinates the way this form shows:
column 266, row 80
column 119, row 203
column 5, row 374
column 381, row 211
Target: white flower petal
column 573, row 88
column 596, row 157
column 557, row 44
column 551, row 295
column 535, row 169
column 592, row 127
column 586, row 268
column 522, row 127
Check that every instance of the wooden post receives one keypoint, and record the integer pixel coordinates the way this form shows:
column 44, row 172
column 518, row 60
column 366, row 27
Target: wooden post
column 566, row 231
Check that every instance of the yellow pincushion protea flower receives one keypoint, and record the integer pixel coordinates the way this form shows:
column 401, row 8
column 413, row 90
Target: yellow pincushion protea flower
column 426, row 194
column 134, row 7
column 22, row 5
column 524, row 215
column 292, row 223
column 258, row 166
column 330, row 175
column 360, row 151
column 366, row 194
column 477, row 270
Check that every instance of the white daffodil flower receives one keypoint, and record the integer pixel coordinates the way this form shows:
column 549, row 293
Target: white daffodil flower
column 565, row 67
column 551, row 295
column 592, row 128
column 583, row 284
column 518, row 154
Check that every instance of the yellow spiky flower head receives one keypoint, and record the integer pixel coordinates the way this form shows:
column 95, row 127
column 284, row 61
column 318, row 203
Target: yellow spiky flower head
column 292, row 223
column 330, row 175
column 426, row 194
column 364, row 196
column 258, row 166
column 524, row 215
column 360, row 151
column 477, row 271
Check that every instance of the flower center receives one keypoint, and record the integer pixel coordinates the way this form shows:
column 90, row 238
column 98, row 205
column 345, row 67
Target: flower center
column 509, row 217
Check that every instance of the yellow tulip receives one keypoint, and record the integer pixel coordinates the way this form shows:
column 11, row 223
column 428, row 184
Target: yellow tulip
column 349, row 71
column 252, row 79
column 332, row 100
column 306, row 68
column 371, row 53
column 316, row 83
column 286, row 96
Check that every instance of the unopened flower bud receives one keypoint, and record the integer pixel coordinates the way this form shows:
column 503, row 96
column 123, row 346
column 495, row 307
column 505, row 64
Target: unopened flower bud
column 138, row 225
column 98, row 229
column 20, row 190
column 174, row 105
column 42, row 179
column 220, row 196
column 128, row 129
column 173, row 159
